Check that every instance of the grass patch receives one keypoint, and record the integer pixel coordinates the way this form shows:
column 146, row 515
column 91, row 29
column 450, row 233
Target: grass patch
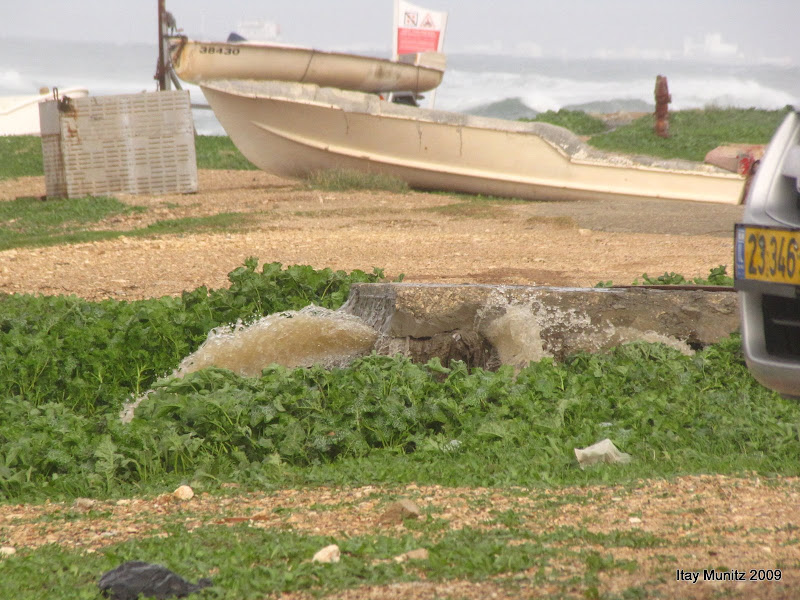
column 28, row 222
column 187, row 225
column 693, row 133
column 20, row 156
column 577, row 121
column 218, row 152
column 249, row 563
column 339, row 180
column 31, row 222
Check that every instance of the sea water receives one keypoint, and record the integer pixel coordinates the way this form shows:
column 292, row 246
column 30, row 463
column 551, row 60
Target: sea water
column 492, row 85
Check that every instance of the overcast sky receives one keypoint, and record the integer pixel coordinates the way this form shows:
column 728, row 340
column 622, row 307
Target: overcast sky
column 750, row 30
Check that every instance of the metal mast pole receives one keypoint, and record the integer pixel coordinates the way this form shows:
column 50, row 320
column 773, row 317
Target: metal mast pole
column 161, row 70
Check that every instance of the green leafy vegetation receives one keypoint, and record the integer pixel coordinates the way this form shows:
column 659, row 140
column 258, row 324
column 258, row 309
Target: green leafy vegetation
column 717, row 276
column 577, row 121
column 337, row 180
column 67, row 365
column 69, row 353
column 693, row 133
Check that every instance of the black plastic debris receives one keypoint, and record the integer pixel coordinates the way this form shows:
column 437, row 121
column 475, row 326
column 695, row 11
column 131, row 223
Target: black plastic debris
column 135, row 578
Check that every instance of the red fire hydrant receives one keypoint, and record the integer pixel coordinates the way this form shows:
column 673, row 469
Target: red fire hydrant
column 663, row 99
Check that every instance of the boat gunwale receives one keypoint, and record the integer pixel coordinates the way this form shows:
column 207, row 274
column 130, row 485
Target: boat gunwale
column 182, row 42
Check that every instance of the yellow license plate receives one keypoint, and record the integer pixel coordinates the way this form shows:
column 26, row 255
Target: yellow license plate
column 767, row 254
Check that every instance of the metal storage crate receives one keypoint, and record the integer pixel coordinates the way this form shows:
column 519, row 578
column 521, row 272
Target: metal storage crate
column 132, row 143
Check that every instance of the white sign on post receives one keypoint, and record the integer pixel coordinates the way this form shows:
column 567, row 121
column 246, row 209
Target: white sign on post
column 417, row 29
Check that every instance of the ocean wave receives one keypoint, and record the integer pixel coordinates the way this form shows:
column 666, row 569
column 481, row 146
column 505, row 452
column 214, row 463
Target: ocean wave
column 465, row 91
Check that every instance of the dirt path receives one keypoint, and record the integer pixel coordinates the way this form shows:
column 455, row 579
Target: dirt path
column 703, row 522
column 429, row 237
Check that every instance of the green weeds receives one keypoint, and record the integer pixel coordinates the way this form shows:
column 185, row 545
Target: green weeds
column 693, row 133
column 61, row 436
column 717, row 276
column 88, row 356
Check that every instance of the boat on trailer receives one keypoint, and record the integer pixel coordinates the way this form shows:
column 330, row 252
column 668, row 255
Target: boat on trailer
column 195, row 61
column 294, row 129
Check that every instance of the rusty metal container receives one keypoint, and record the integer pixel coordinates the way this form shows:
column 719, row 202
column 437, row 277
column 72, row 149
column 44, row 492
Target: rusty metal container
column 131, row 143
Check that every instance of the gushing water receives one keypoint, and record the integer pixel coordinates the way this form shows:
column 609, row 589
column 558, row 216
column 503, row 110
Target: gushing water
column 301, row 338
column 523, row 332
column 311, row 336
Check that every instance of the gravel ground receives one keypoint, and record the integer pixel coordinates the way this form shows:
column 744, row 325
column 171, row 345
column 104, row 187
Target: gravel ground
column 429, row 237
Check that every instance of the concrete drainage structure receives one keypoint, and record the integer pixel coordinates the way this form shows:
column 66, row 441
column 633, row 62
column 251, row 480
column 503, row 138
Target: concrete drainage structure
column 489, row 325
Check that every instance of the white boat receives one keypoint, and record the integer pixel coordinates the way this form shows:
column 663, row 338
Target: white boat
column 293, row 129
column 19, row 115
column 195, row 61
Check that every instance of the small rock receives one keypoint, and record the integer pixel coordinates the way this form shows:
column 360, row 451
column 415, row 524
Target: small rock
column 84, row 503
column 7, row 551
column 184, row 493
column 634, row 520
column 329, row 554
column 123, row 502
column 416, row 554
column 397, row 512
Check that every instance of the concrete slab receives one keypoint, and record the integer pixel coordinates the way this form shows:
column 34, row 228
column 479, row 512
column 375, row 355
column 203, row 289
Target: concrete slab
column 490, row 325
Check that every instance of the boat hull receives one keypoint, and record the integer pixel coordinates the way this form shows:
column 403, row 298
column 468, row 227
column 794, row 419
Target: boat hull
column 19, row 115
column 294, row 129
column 196, row 61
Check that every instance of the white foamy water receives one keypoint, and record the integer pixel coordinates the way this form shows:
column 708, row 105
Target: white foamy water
column 470, row 81
column 517, row 332
column 311, row 336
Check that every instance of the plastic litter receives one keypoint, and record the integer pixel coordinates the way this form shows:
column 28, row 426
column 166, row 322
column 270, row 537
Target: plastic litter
column 134, row 578
column 602, row 452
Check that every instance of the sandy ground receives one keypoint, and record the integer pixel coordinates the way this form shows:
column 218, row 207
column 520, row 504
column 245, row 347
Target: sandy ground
column 428, row 237
column 709, row 522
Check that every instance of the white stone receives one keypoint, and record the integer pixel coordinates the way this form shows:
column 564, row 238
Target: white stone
column 329, row 554
column 7, row 551
column 416, row 554
column 184, row 493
